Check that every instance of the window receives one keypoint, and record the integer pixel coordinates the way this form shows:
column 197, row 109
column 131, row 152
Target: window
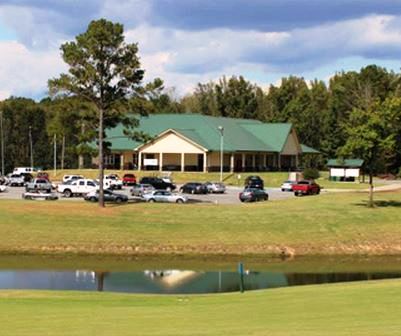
column 81, row 183
column 91, row 184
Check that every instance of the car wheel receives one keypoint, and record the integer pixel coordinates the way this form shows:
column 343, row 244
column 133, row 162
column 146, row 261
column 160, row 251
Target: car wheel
column 168, row 189
column 93, row 199
column 151, row 200
column 179, row 201
column 67, row 193
column 318, row 192
column 119, row 200
column 266, row 198
column 193, row 191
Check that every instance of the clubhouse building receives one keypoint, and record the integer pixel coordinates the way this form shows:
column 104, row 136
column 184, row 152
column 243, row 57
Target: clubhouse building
column 194, row 142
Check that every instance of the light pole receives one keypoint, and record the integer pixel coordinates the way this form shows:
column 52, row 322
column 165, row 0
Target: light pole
column 31, row 145
column 221, row 130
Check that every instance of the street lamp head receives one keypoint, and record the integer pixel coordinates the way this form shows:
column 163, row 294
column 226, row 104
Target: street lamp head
column 221, row 129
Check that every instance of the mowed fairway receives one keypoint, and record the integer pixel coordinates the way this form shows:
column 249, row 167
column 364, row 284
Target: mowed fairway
column 371, row 308
column 325, row 224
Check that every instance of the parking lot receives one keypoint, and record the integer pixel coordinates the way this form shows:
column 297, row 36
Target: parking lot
column 230, row 197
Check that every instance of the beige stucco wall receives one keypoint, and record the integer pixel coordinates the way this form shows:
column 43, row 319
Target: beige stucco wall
column 292, row 146
column 171, row 143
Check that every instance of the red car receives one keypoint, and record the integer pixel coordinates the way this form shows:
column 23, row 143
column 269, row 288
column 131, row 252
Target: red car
column 306, row 187
column 43, row 175
column 129, row 179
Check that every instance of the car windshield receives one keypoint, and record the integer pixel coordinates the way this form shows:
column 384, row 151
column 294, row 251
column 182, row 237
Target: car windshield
column 303, row 182
column 128, row 176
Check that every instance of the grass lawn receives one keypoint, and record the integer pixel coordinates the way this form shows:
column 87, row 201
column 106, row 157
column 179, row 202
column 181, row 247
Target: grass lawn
column 331, row 224
column 342, row 309
column 272, row 179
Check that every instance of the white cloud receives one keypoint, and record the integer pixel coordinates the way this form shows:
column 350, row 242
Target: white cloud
column 25, row 72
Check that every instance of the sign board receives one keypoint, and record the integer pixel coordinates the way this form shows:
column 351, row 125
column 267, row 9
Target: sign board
column 352, row 172
column 150, row 162
column 338, row 172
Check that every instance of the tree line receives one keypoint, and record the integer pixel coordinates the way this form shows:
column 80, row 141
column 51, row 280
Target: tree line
column 324, row 115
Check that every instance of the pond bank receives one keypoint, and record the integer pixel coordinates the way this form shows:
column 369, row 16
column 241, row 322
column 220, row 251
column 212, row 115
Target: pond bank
column 332, row 224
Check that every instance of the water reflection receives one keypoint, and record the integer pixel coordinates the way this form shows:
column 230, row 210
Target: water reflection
column 170, row 281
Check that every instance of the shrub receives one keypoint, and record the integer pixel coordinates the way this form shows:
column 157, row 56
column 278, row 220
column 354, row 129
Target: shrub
column 311, row 174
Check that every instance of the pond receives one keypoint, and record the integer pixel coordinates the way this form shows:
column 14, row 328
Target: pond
column 172, row 281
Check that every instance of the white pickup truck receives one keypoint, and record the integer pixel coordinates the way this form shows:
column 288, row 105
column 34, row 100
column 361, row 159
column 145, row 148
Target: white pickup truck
column 77, row 187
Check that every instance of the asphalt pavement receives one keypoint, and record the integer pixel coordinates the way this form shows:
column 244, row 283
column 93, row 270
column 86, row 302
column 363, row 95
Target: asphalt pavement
column 230, row 197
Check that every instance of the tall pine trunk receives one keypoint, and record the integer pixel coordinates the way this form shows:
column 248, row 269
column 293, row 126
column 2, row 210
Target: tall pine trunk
column 81, row 161
column 101, row 159
column 370, row 203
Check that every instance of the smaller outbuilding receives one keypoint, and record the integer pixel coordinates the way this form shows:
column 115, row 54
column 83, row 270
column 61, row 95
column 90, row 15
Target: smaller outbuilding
column 347, row 170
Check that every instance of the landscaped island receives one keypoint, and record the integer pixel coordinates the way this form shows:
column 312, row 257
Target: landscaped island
column 332, row 224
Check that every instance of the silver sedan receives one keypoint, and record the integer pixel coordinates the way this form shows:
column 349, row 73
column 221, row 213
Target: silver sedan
column 164, row 196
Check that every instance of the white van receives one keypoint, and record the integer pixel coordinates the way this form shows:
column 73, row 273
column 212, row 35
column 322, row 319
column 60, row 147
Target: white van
column 22, row 170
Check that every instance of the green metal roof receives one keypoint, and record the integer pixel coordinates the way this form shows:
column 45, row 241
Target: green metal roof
column 309, row 150
column 352, row 163
column 239, row 134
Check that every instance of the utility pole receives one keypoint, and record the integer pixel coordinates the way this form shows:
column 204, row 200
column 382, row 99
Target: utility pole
column 221, row 129
column 31, row 145
column 2, row 143
column 55, row 154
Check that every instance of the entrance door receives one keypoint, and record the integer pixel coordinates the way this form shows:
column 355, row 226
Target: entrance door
column 200, row 162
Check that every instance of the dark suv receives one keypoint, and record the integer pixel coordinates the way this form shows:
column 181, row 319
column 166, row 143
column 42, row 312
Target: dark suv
column 194, row 188
column 157, row 183
column 254, row 182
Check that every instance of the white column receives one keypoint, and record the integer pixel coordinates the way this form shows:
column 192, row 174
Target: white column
column 140, row 161
column 182, row 162
column 232, row 162
column 243, row 161
column 204, row 162
column 121, row 161
column 160, row 161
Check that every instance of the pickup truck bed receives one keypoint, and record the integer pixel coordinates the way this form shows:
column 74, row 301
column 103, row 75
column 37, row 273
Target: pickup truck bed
column 306, row 188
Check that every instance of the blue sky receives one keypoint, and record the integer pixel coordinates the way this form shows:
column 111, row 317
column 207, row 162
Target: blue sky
column 189, row 41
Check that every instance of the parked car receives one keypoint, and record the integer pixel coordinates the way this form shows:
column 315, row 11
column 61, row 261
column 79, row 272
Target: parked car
column 287, row 185
column 72, row 178
column 113, row 181
column 109, row 196
column 216, row 187
column 164, row 196
column 42, row 175
column 28, row 177
column 39, row 195
column 16, row 180
column 254, row 182
column 194, row 188
column 3, row 180
column 129, row 179
column 306, row 187
column 158, row 183
column 140, row 189
column 20, row 170
column 39, row 184
column 253, row 195
column 78, row 187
